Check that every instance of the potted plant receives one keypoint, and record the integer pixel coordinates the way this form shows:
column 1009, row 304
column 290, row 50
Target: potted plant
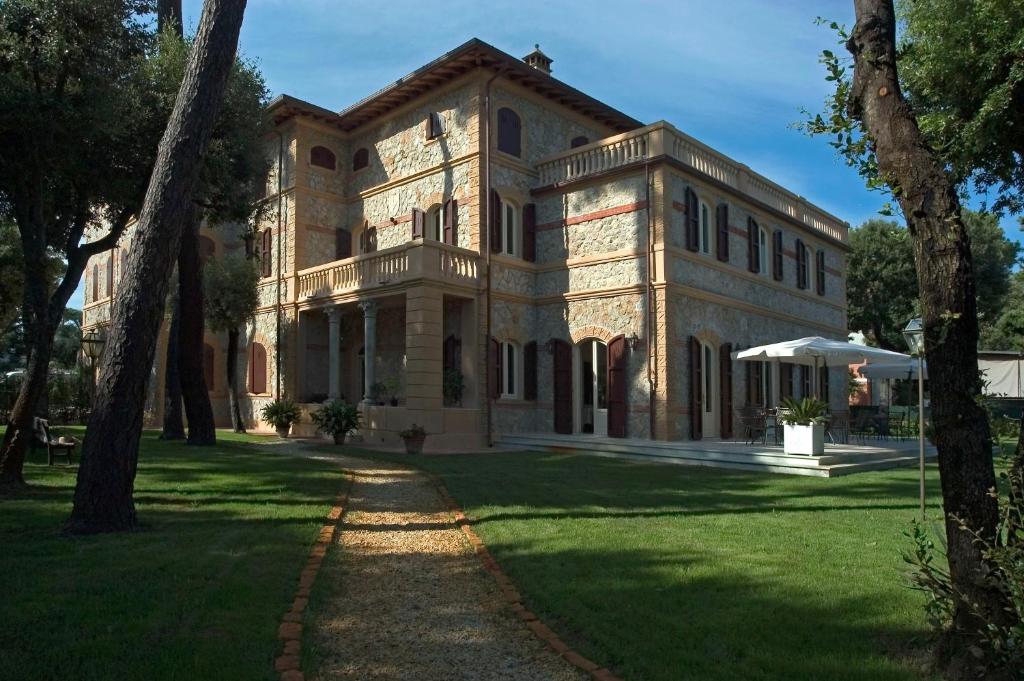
column 391, row 386
column 804, row 426
column 414, row 437
column 336, row 418
column 452, row 387
column 281, row 414
column 377, row 392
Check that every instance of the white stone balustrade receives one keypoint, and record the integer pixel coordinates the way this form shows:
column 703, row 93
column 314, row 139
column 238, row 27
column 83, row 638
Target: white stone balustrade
column 662, row 138
column 420, row 259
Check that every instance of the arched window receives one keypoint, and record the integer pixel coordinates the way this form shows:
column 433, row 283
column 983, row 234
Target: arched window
column 511, row 228
column 360, row 159
column 322, row 157
column 435, row 223
column 704, row 232
column 578, row 141
column 208, row 359
column 509, row 132
column 257, row 369
column 110, row 274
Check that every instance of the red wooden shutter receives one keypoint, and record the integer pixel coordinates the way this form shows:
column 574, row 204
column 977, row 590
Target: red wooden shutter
column 753, row 246
column 530, row 232
column 417, row 223
column 342, row 244
column 692, row 221
column 617, row 384
column 257, row 369
column 530, row 371
column 371, row 239
column 820, row 271
column 777, row 255
column 696, row 380
column 494, row 368
column 722, row 239
column 801, row 264
column 110, row 274
column 451, row 222
column 428, row 127
column 265, row 253
column 208, row 358
column 495, row 222
column 562, row 385
column 725, row 389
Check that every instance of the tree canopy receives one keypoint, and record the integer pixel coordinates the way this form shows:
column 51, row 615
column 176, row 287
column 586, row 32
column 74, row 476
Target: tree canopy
column 231, row 296
column 881, row 286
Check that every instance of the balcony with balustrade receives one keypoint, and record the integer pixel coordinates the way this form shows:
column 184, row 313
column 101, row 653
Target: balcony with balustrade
column 421, row 261
column 662, row 140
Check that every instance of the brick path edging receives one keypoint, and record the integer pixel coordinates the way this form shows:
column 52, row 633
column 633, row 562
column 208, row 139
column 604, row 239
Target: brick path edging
column 288, row 663
column 511, row 595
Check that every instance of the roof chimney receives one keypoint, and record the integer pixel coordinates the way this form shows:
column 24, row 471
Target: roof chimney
column 538, row 60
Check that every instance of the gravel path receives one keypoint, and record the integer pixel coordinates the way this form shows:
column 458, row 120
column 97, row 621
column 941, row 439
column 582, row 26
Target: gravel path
column 410, row 599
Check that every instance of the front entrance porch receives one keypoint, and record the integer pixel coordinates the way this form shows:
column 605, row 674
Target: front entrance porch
column 838, row 460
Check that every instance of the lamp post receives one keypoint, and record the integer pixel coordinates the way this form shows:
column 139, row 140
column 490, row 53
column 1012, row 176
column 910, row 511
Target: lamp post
column 914, row 335
column 92, row 347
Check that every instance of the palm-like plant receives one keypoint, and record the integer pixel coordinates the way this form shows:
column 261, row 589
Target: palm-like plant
column 805, row 412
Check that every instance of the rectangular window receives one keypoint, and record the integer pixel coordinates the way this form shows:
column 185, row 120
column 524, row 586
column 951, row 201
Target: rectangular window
column 708, row 408
column 510, row 231
column 762, row 241
column 508, row 370
column 705, row 228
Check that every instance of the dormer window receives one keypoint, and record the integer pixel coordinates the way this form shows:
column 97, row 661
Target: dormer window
column 434, row 125
column 322, row 157
column 360, row 159
column 509, row 132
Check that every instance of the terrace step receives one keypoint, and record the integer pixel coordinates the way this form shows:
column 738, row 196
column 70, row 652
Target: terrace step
column 838, row 459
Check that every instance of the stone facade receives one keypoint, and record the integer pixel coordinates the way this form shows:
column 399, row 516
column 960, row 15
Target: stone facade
column 611, row 262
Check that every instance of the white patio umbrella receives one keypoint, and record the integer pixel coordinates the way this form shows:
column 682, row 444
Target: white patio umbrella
column 906, row 369
column 817, row 351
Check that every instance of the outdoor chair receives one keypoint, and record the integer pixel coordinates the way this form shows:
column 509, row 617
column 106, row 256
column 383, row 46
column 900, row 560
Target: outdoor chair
column 838, row 428
column 54, row 446
column 862, row 425
column 753, row 425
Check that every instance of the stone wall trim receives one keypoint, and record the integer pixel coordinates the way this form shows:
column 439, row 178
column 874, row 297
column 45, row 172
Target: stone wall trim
column 597, row 215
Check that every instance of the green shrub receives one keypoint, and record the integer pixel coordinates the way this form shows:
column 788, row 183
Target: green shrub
column 336, row 418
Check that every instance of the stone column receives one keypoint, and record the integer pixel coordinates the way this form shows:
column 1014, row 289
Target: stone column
column 424, row 310
column 333, row 352
column 369, row 345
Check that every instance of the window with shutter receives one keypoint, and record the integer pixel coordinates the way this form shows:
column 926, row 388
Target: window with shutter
column 722, row 229
column 616, row 382
column 777, row 255
column 434, row 125
column 509, row 132
column 801, row 264
column 322, row 157
column 562, row 385
column 753, row 245
column 266, row 243
column 578, row 142
column 110, row 274
column 805, row 381
column 530, row 371
column 696, row 389
column 342, row 244
column 257, row 369
column 508, row 370
column 495, row 234
column 725, row 389
column 418, row 222
column 451, row 222
column 360, row 159
column 819, row 271
column 823, row 388
column 494, row 368
column 692, row 221
column 530, row 232
column 786, row 379
column 95, row 282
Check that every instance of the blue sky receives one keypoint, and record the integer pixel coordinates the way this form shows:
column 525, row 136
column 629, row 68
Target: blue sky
column 732, row 73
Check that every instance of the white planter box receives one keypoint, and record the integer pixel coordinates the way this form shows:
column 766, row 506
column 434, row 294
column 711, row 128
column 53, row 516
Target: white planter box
column 806, row 440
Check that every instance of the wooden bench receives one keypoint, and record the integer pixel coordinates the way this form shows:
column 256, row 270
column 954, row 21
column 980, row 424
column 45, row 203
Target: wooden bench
column 54, row 446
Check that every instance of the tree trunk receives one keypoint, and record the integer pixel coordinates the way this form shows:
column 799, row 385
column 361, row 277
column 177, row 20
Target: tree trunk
column 103, row 495
column 236, row 414
column 39, row 331
column 174, row 425
column 946, row 283
column 198, row 411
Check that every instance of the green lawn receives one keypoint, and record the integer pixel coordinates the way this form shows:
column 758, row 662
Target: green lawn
column 676, row 572
column 197, row 593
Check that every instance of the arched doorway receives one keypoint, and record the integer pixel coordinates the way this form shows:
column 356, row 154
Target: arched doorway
column 592, row 389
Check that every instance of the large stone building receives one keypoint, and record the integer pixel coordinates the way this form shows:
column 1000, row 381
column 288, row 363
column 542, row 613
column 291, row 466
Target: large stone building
column 479, row 222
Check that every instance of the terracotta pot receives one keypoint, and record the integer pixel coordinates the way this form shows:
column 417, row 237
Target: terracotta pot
column 282, row 431
column 414, row 445
column 339, row 438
